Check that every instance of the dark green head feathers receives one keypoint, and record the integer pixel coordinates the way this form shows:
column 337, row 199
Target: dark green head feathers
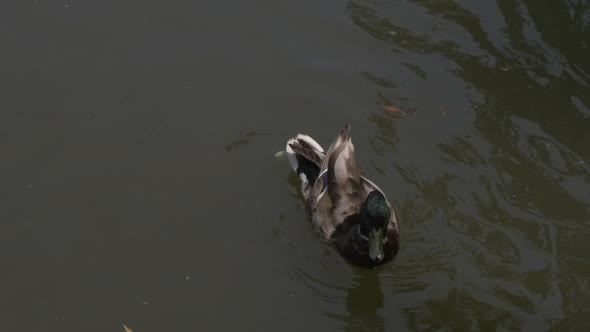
column 374, row 213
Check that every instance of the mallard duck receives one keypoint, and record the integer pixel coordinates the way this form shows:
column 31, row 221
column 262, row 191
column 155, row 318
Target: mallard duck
column 347, row 209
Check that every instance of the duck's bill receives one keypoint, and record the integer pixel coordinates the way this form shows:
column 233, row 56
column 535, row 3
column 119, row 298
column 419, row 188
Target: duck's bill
column 376, row 244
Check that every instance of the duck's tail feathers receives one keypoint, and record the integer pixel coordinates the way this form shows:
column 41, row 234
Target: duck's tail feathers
column 303, row 146
column 306, row 157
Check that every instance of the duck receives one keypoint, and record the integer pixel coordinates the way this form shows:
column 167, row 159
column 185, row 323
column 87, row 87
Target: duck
column 347, row 210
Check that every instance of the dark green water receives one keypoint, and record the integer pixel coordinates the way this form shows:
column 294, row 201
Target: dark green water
column 139, row 184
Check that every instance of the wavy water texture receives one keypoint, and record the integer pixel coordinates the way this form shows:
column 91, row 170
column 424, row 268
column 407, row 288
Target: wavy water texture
column 142, row 186
column 497, row 219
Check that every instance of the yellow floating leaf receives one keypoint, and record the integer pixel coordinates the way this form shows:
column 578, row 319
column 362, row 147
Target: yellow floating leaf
column 127, row 329
column 392, row 109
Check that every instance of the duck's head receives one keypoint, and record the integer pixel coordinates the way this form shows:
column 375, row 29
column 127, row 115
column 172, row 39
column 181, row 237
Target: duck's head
column 374, row 218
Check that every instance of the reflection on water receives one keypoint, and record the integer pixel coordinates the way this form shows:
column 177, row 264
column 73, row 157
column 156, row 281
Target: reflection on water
column 364, row 302
column 512, row 188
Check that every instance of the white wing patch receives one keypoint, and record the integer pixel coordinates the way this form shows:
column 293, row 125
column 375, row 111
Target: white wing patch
column 291, row 155
column 321, row 185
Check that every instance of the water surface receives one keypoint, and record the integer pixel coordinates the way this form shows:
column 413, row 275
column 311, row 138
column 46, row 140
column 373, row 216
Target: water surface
column 140, row 187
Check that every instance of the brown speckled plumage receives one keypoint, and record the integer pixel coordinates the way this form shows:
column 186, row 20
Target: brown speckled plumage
column 337, row 195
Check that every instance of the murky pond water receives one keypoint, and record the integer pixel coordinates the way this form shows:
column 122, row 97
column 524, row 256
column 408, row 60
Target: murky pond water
column 139, row 184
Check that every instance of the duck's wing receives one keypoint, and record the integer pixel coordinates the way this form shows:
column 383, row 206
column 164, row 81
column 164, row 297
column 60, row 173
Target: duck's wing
column 343, row 178
column 306, row 157
column 321, row 206
column 303, row 146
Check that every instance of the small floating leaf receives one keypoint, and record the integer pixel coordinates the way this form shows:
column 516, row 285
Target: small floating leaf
column 392, row 109
column 280, row 154
column 127, row 329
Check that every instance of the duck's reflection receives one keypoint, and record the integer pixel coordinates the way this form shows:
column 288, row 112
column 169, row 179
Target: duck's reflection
column 363, row 302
